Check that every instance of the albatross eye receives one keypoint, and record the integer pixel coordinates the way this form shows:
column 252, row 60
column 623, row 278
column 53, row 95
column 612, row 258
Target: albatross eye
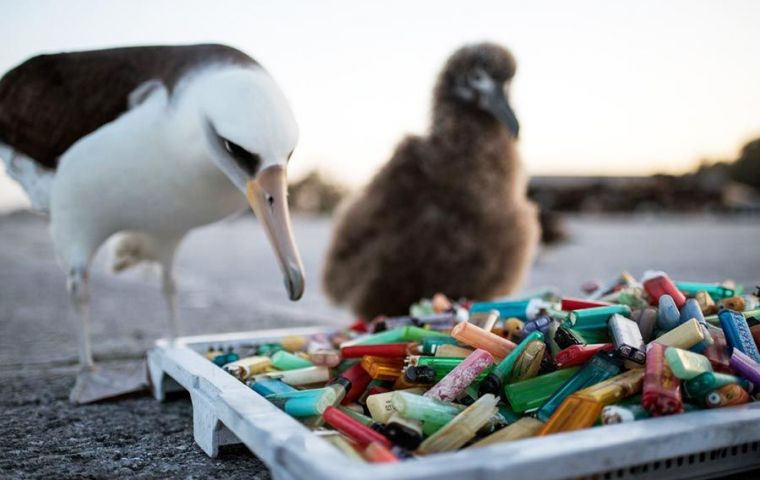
column 247, row 160
column 236, row 150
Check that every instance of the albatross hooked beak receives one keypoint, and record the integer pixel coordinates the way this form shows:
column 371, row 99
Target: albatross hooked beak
column 267, row 195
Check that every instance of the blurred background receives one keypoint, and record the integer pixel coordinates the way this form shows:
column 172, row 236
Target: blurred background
column 603, row 89
column 640, row 129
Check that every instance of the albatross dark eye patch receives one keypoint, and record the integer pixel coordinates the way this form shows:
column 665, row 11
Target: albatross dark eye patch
column 248, row 161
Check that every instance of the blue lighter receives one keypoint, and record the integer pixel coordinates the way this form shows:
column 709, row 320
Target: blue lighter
column 737, row 333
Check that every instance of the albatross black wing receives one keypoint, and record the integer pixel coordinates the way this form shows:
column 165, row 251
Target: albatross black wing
column 50, row 101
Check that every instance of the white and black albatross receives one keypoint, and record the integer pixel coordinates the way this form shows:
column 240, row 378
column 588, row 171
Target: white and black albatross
column 151, row 141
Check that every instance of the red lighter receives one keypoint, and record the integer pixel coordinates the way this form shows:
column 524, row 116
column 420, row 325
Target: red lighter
column 570, row 303
column 358, row 379
column 377, row 453
column 386, row 350
column 718, row 352
column 361, row 434
column 662, row 389
column 660, row 285
column 359, row 326
column 376, row 390
column 580, row 354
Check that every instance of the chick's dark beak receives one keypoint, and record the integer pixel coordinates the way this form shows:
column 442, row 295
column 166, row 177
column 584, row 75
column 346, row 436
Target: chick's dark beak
column 496, row 102
column 267, row 195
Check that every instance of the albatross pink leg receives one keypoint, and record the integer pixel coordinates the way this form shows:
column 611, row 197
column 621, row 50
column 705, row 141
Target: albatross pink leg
column 79, row 290
column 94, row 383
column 169, row 291
column 165, row 254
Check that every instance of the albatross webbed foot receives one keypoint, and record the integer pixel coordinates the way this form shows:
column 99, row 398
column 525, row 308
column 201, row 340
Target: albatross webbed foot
column 96, row 383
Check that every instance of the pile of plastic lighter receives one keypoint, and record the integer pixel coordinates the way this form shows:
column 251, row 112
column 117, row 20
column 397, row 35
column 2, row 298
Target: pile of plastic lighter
column 455, row 375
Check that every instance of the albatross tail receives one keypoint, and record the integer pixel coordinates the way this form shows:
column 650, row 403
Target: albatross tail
column 36, row 181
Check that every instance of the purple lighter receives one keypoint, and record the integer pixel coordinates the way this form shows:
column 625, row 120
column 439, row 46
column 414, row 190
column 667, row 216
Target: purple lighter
column 746, row 367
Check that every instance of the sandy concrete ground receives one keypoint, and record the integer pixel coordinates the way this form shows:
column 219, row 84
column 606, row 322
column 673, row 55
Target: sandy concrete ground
column 228, row 281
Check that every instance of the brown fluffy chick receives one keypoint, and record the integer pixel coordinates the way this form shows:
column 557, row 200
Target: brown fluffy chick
column 449, row 212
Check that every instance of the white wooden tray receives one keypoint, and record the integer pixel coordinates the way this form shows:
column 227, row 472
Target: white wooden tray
column 225, row 411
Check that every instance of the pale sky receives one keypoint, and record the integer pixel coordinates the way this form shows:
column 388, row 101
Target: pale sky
column 603, row 87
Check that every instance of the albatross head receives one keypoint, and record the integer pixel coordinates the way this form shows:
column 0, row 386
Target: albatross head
column 251, row 134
